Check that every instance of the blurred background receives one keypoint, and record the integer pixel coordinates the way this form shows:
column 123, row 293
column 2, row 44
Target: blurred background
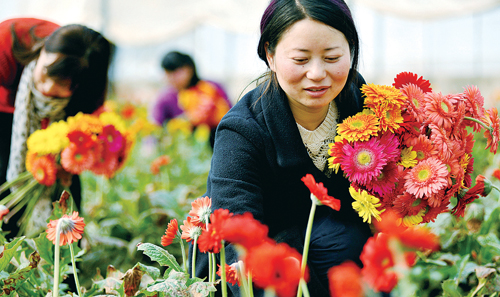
column 453, row 43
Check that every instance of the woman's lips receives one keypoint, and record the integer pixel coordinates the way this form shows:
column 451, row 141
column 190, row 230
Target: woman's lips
column 317, row 91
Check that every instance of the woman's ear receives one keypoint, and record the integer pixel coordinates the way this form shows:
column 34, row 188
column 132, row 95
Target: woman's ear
column 269, row 57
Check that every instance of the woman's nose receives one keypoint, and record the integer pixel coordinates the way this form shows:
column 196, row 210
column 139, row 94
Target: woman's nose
column 316, row 71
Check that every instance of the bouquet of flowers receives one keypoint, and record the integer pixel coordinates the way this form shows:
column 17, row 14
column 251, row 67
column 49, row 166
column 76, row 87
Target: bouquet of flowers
column 410, row 149
column 98, row 143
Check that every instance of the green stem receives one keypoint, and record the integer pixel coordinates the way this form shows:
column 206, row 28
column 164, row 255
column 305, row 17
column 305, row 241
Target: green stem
column 477, row 121
column 242, row 279
column 304, row 287
column 55, row 289
column 223, row 267
column 16, row 196
column 210, row 267
column 193, row 272
column 214, row 271
column 250, row 284
column 306, row 247
column 73, row 262
column 184, row 258
column 20, row 178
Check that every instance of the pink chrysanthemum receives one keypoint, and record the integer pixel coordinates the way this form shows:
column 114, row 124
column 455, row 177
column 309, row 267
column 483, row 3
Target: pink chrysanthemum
column 426, row 178
column 364, row 161
column 439, row 110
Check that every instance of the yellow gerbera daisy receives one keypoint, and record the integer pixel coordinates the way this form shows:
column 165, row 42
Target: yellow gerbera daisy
column 366, row 205
column 359, row 127
column 408, row 157
column 49, row 141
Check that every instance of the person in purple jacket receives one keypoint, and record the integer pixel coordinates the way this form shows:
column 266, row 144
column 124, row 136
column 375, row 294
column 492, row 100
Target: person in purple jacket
column 202, row 102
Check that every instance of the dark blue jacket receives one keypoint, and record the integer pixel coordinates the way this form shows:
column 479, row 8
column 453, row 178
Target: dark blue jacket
column 258, row 162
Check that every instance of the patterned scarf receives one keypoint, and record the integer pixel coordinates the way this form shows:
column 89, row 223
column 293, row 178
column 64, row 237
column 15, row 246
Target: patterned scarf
column 30, row 108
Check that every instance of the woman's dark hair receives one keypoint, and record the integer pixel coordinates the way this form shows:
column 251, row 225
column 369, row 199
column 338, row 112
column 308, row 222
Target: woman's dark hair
column 85, row 59
column 174, row 60
column 280, row 15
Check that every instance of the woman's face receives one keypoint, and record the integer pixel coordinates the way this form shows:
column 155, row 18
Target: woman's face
column 47, row 85
column 311, row 62
column 180, row 77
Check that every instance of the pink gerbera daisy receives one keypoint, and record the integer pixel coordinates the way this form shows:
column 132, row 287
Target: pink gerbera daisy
column 364, row 161
column 416, row 101
column 386, row 181
column 441, row 142
column 474, row 102
column 191, row 231
column 426, row 178
column 439, row 110
column 201, row 210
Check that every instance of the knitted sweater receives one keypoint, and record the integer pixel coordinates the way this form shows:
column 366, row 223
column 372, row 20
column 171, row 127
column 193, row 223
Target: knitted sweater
column 10, row 69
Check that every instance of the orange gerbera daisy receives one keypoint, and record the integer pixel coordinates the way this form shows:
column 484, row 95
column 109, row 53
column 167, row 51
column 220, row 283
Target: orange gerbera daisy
column 388, row 96
column 359, row 127
column 159, row 162
column 171, row 233
column 106, row 162
column 389, row 118
column 44, row 170
column 76, row 160
column 426, row 178
column 493, row 133
column 345, row 280
column 201, row 210
column 405, row 78
column 71, row 229
column 190, row 231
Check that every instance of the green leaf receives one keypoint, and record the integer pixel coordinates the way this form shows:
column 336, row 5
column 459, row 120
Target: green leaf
column 159, row 255
column 9, row 252
column 171, row 287
column 201, row 289
column 450, row 289
column 489, row 240
column 150, row 270
column 492, row 219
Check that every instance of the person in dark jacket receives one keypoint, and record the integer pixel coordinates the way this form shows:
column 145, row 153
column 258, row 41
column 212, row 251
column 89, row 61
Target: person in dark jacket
column 280, row 131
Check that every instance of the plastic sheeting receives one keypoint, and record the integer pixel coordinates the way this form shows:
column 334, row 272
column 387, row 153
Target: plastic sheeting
column 428, row 9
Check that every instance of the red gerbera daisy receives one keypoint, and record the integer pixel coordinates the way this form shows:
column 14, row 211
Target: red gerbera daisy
column 405, row 78
column 71, row 229
column 244, row 230
column 320, row 193
column 44, row 170
column 171, row 233
column 81, row 139
column 408, row 205
column 211, row 240
column 377, row 260
column 345, row 280
column 275, row 266
column 231, row 273
column 201, row 210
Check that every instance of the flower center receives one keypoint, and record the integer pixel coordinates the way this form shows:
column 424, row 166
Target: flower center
column 416, row 202
column 67, row 225
column 364, row 158
column 420, row 155
column 358, row 124
column 444, row 107
column 424, row 174
column 415, row 102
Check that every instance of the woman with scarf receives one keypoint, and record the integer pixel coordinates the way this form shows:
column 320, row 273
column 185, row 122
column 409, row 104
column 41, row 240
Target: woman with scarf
column 47, row 73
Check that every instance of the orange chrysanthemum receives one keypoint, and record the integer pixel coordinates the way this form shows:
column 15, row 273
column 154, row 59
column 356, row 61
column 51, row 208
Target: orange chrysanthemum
column 44, row 170
column 390, row 117
column 387, row 96
column 359, row 127
column 159, row 162
column 170, row 233
column 71, row 229
column 426, row 178
column 76, row 160
column 201, row 210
